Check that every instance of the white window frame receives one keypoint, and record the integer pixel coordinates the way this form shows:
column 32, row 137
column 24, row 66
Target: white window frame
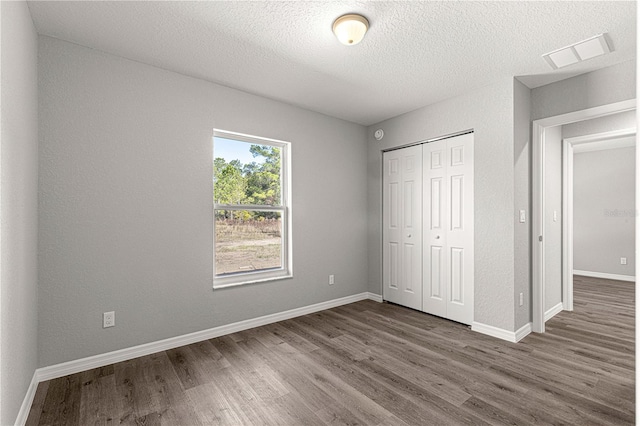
column 286, row 270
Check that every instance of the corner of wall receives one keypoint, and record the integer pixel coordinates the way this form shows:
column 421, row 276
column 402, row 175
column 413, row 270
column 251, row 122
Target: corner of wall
column 374, row 217
column 522, row 203
column 19, row 208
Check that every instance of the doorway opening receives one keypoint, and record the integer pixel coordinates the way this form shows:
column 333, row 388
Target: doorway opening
column 617, row 139
column 540, row 129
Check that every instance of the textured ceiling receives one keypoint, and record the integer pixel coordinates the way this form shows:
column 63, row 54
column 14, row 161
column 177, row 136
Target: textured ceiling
column 415, row 54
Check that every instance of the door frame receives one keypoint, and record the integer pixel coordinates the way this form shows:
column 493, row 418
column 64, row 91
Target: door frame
column 538, row 168
column 568, row 145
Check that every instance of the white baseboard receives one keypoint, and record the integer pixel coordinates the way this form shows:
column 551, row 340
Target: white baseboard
column 490, row 330
column 523, row 331
column 604, row 275
column 76, row 366
column 83, row 364
column 500, row 333
column 25, row 408
column 374, row 297
column 553, row 312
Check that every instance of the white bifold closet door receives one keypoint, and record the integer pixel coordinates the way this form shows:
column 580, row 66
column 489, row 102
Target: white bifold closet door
column 402, row 222
column 448, row 228
column 428, row 227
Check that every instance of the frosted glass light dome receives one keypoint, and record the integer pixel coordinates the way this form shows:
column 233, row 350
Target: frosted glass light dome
column 350, row 29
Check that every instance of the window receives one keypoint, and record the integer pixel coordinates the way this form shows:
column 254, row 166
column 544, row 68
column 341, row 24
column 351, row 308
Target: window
column 251, row 205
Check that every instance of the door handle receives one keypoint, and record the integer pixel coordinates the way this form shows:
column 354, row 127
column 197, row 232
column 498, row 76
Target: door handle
column 437, row 237
column 408, row 235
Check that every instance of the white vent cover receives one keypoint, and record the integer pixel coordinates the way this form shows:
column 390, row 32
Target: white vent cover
column 577, row 52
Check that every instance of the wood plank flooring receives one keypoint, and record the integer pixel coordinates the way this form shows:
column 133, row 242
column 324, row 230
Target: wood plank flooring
column 373, row 364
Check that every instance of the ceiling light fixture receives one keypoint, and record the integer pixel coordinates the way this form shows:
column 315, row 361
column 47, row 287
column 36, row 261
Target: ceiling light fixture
column 577, row 52
column 350, row 29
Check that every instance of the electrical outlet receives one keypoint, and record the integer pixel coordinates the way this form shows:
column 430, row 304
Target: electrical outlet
column 521, row 299
column 623, row 260
column 108, row 319
column 331, row 280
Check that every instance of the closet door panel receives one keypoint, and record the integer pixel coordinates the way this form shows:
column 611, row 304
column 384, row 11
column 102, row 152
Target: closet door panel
column 434, row 265
column 402, row 227
column 448, row 229
column 459, row 235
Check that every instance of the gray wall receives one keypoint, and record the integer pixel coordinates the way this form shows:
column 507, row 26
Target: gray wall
column 601, row 87
column 19, row 206
column 500, row 116
column 522, row 201
column 553, row 228
column 622, row 120
column 489, row 111
column 126, row 203
column 604, row 211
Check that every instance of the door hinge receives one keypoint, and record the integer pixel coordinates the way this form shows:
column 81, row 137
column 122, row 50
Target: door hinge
column 540, row 238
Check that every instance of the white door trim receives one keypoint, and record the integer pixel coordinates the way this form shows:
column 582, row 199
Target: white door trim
column 567, row 204
column 567, row 225
column 539, row 127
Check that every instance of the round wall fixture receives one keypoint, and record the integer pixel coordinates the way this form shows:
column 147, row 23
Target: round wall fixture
column 379, row 134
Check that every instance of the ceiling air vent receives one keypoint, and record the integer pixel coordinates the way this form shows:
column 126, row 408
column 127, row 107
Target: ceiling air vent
column 578, row 52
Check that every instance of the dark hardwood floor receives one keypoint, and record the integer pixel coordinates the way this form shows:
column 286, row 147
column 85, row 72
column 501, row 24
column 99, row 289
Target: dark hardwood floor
column 369, row 363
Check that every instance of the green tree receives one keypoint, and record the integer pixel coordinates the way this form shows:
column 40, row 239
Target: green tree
column 218, row 165
column 263, row 179
column 253, row 183
column 230, row 185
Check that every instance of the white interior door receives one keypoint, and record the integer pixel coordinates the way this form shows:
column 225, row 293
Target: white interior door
column 402, row 227
column 448, row 228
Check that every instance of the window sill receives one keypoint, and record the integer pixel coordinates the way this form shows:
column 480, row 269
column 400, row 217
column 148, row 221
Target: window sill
column 245, row 279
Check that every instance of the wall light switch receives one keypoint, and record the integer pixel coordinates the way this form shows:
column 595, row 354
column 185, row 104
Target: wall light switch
column 623, row 260
column 522, row 216
column 555, row 215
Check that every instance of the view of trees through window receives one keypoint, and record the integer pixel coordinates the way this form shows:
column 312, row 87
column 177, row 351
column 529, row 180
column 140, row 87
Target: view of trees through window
column 247, row 186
